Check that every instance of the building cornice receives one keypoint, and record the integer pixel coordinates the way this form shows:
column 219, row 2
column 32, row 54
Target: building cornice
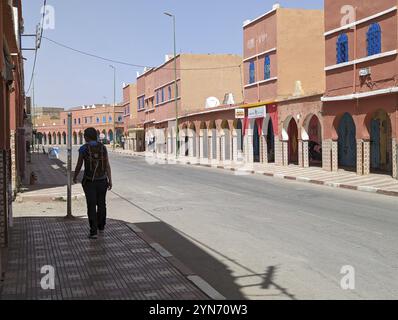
column 362, row 60
column 364, row 20
column 260, row 54
column 361, row 95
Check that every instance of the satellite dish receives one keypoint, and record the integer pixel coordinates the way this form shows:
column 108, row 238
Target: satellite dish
column 212, row 102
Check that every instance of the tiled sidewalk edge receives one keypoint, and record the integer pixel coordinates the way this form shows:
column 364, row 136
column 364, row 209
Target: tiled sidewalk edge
column 199, row 282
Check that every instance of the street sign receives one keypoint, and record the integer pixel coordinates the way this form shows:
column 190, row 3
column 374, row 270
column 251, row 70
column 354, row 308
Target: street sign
column 256, row 113
column 239, row 113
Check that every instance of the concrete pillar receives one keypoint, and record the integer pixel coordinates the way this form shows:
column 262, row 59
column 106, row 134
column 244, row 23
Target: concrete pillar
column 360, row 162
column 366, row 157
column 234, row 148
column 198, row 149
column 249, row 152
column 305, row 154
column 222, row 148
column 395, row 158
column 182, row 146
column 263, row 149
column 278, row 152
column 327, row 155
column 14, row 170
column 281, row 153
column 190, row 147
column 201, row 146
column 210, row 146
column 218, row 149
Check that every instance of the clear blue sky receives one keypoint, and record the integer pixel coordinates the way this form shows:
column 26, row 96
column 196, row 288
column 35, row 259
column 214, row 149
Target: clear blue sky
column 134, row 31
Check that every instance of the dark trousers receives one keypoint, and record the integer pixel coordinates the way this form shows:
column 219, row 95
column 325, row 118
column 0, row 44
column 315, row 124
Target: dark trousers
column 96, row 203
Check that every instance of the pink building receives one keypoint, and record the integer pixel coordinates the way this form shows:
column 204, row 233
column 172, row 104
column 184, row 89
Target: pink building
column 105, row 118
column 283, row 84
column 360, row 103
column 203, row 84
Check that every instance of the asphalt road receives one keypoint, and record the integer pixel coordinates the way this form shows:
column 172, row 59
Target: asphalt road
column 262, row 238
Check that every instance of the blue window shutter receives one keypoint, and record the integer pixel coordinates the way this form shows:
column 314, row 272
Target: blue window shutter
column 342, row 49
column 267, row 68
column 374, row 39
column 252, row 72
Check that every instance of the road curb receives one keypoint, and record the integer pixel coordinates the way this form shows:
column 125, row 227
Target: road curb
column 198, row 281
column 367, row 189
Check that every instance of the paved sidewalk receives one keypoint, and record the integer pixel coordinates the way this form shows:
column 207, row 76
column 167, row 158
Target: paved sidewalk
column 121, row 265
column 374, row 183
column 51, row 181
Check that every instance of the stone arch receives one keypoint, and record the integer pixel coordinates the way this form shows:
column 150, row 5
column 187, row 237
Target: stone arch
column 379, row 126
column 269, row 137
column 74, row 138
column 59, row 138
column 290, row 133
column 347, row 146
column 64, row 138
column 312, row 136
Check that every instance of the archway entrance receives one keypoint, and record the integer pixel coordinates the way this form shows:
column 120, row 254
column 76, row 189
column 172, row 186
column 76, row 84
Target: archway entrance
column 314, row 131
column 64, row 138
column 293, row 142
column 256, row 142
column 271, row 142
column 74, row 138
column 381, row 143
column 347, row 142
column 80, row 137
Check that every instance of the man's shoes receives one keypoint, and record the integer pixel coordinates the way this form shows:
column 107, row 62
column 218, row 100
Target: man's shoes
column 93, row 236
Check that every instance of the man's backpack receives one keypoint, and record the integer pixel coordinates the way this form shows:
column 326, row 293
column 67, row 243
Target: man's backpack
column 95, row 162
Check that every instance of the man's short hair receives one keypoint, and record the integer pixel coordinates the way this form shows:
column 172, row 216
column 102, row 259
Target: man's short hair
column 91, row 134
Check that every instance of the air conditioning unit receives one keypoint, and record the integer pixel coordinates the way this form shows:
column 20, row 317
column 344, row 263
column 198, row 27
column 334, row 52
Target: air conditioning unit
column 365, row 72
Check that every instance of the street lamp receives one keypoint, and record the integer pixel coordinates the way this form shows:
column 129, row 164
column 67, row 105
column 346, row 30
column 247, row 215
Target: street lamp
column 175, row 81
column 114, row 105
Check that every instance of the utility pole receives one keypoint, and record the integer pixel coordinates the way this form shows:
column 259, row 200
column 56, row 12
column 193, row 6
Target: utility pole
column 175, row 82
column 69, row 175
column 114, row 106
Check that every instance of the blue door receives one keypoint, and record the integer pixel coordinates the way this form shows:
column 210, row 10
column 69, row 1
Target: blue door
column 375, row 144
column 347, row 142
column 256, row 143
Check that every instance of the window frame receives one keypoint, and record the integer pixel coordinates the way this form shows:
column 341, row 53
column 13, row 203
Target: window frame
column 373, row 39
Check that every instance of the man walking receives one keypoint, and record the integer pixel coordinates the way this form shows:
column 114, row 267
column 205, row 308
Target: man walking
column 97, row 180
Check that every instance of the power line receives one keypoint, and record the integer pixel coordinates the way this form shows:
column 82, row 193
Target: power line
column 41, row 36
column 131, row 64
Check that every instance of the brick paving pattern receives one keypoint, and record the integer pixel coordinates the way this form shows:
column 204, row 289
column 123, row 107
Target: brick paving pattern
column 117, row 266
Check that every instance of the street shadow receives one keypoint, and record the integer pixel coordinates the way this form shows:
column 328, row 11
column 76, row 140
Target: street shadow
column 196, row 256
column 44, row 173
